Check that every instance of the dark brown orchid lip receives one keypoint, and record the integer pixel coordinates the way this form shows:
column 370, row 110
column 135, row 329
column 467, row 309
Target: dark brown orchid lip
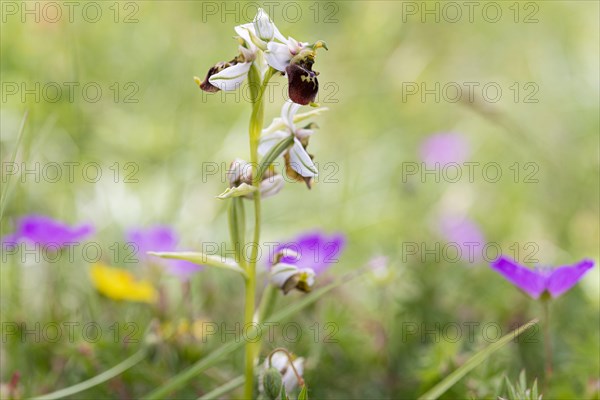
column 303, row 83
column 294, row 282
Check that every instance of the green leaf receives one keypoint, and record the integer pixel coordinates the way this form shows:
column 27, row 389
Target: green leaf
column 238, row 191
column 284, row 395
column 272, row 155
column 237, row 227
column 202, row 259
column 303, row 393
column 512, row 393
column 473, row 362
column 534, row 390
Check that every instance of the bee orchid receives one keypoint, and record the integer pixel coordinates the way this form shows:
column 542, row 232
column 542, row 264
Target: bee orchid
column 288, row 56
column 299, row 163
column 296, row 264
column 296, row 59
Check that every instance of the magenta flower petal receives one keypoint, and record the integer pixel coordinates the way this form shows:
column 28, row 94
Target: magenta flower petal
column 444, row 148
column 45, row 231
column 160, row 238
column 530, row 281
column 564, row 278
column 314, row 250
column 155, row 238
column 465, row 234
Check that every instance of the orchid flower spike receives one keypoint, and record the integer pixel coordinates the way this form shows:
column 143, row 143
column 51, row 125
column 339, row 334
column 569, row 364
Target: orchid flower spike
column 290, row 57
column 544, row 282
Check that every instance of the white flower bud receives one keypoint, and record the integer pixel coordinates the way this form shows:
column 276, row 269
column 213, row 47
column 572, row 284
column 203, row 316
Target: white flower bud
column 281, row 363
column 271, row 186
column 263, row 26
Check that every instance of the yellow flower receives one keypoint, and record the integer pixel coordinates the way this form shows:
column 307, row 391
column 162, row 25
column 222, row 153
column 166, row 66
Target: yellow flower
column 119, row 284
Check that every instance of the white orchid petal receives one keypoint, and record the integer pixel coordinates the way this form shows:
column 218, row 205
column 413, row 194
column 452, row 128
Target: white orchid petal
column 293, row 45
column 288, row 111
column 278, row 123
column 290, row 381
column 281, row 272
column 304, row 133
column 231, row 78
column 277, row 35
column 243, row 31
column 268, row 141
column 278, row 56
column 301, row 162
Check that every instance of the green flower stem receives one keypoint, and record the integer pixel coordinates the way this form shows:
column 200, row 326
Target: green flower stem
column 267, row 303
column 547, row 340
column 257, row 89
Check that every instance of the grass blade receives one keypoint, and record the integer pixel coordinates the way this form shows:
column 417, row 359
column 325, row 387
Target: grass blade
column 7, row 186
column 473, row 362
column 227, row 387
column 98, row 379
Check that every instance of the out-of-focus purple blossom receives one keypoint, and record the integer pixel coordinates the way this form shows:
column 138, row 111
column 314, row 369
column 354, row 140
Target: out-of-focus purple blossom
column 465, row 234
column 46, row 231
column 160, row 238
column 314, row 250
column 535, row 282
column 444, row 148
column 296, row 263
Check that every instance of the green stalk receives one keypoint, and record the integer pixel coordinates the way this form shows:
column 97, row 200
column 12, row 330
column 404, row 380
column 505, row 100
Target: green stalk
column 547, row 341
column 257, row 89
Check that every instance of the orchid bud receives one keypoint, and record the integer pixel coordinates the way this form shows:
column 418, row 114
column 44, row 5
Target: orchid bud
column 271, row 186
column 289, row 367
column 272, row 383
column 239, row 172
column 263, row 26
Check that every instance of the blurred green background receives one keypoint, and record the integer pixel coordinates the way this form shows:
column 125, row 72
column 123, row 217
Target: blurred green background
column 149, row 52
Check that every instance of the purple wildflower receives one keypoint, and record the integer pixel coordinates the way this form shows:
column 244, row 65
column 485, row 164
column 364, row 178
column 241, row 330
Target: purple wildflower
column 444, row 148
column 296, row 263
column 465, row 234
column 160, row 238
column 538, row 281
column 46, row 231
